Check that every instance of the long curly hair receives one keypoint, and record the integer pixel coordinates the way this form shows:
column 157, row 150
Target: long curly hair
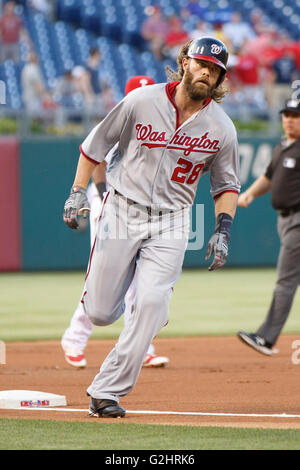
column 219, row 92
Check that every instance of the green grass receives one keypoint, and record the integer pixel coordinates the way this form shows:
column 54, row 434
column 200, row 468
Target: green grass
column 37, row 306
column 47, row 435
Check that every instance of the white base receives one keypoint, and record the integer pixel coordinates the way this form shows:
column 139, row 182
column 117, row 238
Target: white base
column 20, row 399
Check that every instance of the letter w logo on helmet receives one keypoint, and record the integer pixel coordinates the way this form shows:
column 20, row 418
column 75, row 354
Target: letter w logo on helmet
column 215, row 49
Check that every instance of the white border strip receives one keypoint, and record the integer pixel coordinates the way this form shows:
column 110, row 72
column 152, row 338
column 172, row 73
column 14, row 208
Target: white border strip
column 179, row 413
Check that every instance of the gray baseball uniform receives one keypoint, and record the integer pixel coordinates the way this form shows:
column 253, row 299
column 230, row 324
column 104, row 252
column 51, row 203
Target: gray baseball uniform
column 156, row 164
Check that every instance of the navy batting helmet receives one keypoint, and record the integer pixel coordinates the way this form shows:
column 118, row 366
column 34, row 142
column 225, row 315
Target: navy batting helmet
column 212, row 50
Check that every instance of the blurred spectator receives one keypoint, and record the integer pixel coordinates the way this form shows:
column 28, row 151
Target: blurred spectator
column 82, row 84
column 219, row 33
column 258, row 24
column 93, row 68
column 99, row 77
column 47, row 101
column 202, row 29
column 285, row 69
column 33, row 87
column 175, row 38
column 273, row 51
column 247, row 68
column 247, row 98
column 265, row 47
column 46, row 7
column 94, row 105
column 291, row 46
column 64, row 90
column 248, row 74
column 11, row 30
column 193, row 8
column 108, row 101
column 238, row 31
column 49, row 108
column 282, row 74
column 103, row 100
column 257, row 45
column 69, row 101
column 155, row 29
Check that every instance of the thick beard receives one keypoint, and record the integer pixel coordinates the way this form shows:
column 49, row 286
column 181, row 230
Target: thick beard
column 193, row 90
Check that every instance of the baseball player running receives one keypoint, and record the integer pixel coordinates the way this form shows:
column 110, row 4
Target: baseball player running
column 76, row 336
column 167, row 135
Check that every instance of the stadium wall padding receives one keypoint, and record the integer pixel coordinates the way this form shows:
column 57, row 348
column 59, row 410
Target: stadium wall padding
column 10, row 231
column 36, row 183
column 47, row 174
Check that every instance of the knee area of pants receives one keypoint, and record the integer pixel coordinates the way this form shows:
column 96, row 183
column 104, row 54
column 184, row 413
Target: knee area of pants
column 286, row 288
column 156, row 300
column 154, row 297
column 99, row 319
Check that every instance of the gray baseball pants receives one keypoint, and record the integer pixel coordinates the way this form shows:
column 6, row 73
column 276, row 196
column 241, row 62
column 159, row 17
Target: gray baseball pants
column 128, row 238
column 288, row 278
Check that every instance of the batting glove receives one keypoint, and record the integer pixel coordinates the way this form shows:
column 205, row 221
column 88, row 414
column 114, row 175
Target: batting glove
column 218, row 244
column 76, row 204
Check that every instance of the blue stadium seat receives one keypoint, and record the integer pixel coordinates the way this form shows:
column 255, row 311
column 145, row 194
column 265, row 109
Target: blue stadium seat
column 69, row 10
column 10, row 73
column 90, row 20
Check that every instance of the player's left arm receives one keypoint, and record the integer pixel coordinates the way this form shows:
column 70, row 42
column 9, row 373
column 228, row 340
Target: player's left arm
column 225, row 187
column 226, row 203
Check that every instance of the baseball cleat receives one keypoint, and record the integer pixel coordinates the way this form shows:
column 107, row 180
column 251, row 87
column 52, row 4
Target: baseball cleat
column 105, row 409
column 257, row 342
column 75, row 359
column 152, row 360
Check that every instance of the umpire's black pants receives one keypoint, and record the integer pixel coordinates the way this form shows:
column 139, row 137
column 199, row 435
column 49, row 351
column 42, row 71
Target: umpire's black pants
column 288, row 268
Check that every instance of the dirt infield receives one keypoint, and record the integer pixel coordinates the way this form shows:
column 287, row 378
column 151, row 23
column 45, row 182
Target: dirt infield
column 205, row 374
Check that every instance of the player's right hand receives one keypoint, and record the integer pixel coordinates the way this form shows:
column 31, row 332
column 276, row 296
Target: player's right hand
column 76, row 204
column 245, row 199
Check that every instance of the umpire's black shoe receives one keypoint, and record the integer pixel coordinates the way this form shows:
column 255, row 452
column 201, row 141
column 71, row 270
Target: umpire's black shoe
column 105, row 409
column 256, row 342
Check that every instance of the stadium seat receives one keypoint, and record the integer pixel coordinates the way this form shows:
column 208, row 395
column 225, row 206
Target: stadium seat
column 69, row 10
